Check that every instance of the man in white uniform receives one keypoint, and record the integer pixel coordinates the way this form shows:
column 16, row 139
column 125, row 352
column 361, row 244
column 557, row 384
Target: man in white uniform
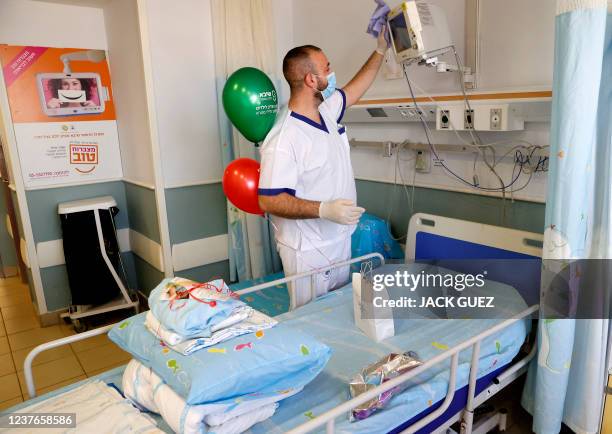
column 306, row 180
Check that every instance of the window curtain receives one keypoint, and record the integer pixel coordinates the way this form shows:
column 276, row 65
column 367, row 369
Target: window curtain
column 566, row 381
column 244, row 36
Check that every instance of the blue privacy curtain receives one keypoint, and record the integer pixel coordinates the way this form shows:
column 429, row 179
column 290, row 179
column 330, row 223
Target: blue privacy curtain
column 243, row 36
column 566, row 382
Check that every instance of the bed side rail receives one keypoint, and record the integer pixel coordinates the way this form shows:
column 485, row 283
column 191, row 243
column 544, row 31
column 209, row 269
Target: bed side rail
column 310, row 273
column 328, row 418
column 27, row 364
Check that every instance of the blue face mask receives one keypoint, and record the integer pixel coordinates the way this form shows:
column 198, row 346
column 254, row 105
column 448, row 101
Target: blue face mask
column 331, row 86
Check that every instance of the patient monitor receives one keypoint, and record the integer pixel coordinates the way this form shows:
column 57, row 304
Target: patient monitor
column 419, row 31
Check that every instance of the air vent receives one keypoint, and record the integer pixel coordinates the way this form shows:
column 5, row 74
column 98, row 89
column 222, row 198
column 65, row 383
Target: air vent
column 377, row 112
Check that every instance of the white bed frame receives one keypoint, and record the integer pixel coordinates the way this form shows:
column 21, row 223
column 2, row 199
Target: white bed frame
column 518, row 241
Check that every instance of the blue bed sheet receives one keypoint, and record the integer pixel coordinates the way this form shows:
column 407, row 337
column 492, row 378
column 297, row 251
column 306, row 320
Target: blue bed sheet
column 271, row 301
column 330, row 319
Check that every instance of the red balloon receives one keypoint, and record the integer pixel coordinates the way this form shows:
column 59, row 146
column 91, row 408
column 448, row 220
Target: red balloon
column 240, row 183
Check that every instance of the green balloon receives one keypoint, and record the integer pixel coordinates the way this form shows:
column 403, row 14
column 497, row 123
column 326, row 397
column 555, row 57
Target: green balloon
column 251, row 103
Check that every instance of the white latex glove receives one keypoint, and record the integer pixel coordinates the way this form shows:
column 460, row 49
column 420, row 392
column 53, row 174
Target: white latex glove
column 381, row 42
column 342, row 211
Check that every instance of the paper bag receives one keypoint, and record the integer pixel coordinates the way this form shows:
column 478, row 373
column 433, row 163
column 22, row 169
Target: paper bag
column 375, row 322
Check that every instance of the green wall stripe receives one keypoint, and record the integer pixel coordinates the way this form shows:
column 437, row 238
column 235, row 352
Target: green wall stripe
column 196, row 212
column 31, row 285
column 56, row 287
column 42, row 205
column 142, row 210
column 379, row 198
column 17, row 214
column 148, row 276
column 7, row 246
column 19, row 231
column 207, row 272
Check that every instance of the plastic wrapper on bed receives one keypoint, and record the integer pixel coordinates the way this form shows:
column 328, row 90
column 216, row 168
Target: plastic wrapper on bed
column 390, row 366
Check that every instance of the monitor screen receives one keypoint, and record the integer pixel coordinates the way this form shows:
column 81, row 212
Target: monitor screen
column 399, row 33
column 72, row 94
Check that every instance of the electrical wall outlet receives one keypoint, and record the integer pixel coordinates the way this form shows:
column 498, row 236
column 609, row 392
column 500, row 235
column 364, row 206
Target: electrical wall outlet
column 423, row 162
column 479, row 117
column 468, row 119
column 496, row 119
column 444, row 119
column 449, row 117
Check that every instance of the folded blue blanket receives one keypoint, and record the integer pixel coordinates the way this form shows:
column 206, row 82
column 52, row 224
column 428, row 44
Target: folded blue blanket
column 266, row 362
column 204, row 305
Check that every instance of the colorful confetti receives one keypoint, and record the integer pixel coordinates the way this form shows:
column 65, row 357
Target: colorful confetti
column 259, row 334
column 172, row 364
column 304, row 349
column 283, row 392
column 439, row 346
column 217, row 350
column 243, row 346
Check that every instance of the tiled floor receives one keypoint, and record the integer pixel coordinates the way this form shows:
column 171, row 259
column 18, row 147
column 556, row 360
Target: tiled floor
column 20, row 331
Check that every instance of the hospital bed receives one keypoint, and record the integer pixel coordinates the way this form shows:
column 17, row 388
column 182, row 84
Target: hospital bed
column 459, row 373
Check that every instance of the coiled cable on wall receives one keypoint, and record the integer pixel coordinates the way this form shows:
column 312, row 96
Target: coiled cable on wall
column 524, row 164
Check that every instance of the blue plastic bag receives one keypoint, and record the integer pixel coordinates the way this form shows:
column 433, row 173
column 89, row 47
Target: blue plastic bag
column 372, row 235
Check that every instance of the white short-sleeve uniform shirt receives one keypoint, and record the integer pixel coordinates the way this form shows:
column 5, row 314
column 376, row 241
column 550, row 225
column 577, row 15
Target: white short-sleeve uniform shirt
column 310, row 161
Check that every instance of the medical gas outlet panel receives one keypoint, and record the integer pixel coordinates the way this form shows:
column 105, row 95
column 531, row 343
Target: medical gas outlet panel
column 479, row 117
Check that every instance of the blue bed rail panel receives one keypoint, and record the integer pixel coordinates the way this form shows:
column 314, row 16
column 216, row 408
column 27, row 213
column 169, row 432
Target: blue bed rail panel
column 512, row 268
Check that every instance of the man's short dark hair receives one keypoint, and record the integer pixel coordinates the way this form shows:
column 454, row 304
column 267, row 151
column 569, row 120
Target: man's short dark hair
column 297, row 64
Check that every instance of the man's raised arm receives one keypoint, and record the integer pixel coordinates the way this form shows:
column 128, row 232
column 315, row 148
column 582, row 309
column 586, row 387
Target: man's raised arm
column 360, row 83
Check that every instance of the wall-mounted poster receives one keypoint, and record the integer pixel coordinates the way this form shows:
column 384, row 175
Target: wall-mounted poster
column 63, row 114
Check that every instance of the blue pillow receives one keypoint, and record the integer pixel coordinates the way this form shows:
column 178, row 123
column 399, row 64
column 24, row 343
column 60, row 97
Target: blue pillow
column 269, row 361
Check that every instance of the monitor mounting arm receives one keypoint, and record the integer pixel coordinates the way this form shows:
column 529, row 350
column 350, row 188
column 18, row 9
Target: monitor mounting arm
column 441, row 66
column 95, row 56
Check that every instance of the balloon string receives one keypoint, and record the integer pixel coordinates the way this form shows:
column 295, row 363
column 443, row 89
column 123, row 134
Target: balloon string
column 188, row 293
